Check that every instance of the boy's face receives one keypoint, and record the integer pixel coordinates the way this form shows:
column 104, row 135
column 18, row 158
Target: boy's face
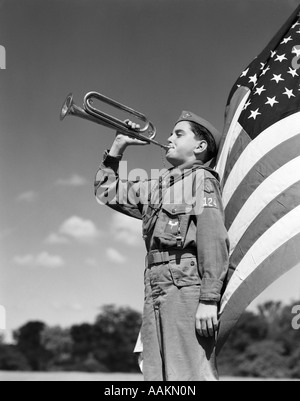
column 182, row 143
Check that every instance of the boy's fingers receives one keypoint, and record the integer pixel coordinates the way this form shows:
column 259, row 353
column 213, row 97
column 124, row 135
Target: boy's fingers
column 198, row 328
column 210, row 327
column 204, row 328
column 207, row 328
column 132, row 125
column 216, row 324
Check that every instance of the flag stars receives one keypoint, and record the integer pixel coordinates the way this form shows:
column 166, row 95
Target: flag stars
column 281, row 58
column 254, row 114
column 253, row 79
column 260, row 90
column 244, row 73
column 296, row 24
column 293, row 72
column 277, row 78
column 289, row 93
column 262, row 65
column 273, row 53
column 286, row 40
column 265, row 70
column 271, row 101
column 248, row 104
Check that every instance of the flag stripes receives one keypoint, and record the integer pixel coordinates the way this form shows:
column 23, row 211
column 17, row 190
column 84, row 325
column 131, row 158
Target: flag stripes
column 277, row 209
column 273, row 160
column 264, row 143
column 233, row 129
column 273, row 267
column 273, row 186
column 241, row 143
column 279, row 234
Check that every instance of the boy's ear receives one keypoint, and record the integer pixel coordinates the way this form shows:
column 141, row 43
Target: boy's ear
column 202, row 147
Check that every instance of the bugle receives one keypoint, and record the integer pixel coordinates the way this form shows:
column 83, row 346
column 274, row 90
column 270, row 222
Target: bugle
column 146, row 133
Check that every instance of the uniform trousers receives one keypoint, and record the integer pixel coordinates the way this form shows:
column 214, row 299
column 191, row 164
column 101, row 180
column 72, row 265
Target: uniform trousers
column 173, row 351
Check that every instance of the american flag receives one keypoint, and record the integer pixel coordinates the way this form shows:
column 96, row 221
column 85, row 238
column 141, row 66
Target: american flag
column 259, row 165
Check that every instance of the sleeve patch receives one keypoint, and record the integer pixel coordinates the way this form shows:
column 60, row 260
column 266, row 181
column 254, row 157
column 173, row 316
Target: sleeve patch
column 210, row 197
column 210, row 202
column 209, row 187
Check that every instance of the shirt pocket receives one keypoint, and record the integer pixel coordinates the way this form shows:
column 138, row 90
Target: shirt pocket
column 172, row 225
column 185, row 272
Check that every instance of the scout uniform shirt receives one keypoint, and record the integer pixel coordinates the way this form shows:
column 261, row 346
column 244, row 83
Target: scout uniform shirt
column 181, row 211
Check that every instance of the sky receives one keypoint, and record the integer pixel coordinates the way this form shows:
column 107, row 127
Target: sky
column 62, row 255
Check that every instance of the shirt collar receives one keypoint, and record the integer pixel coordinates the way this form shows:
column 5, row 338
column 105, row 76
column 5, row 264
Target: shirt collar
column 194, row 164
column 190, row 164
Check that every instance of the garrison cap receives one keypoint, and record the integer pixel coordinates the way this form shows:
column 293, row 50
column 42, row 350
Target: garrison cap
column 189, row 116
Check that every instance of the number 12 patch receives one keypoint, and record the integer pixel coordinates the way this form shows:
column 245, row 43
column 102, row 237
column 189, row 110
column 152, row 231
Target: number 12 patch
column 210, row 202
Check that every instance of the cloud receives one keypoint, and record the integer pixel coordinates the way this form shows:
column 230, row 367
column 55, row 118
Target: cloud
column 28, row 196
column 75, row 228
column 79, row 229
column 74, row 181
column 126, row 229
column 43, row 259
column 55, row 238
column 115, row 256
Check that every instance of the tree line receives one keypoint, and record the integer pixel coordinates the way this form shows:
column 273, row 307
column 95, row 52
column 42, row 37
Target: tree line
column 263, row 344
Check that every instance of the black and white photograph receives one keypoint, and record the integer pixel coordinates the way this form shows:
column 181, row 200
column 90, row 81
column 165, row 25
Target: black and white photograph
column 149, row 193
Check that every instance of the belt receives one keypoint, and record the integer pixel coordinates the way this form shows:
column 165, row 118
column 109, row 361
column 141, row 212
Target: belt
column 158, row 257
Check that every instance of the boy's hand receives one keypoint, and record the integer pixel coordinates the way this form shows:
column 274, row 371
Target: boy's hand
column 127, row 140
column 122, row 141
column 207, row 319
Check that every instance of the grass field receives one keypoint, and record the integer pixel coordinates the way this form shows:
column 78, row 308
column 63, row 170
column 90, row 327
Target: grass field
column 78, row 376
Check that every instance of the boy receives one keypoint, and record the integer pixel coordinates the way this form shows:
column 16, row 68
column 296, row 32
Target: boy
column 187, row 245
